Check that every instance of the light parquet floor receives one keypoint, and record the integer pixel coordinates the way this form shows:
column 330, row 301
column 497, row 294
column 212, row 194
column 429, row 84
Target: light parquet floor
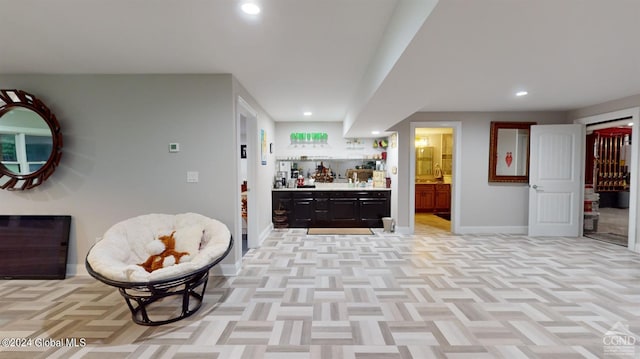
column 384, row 295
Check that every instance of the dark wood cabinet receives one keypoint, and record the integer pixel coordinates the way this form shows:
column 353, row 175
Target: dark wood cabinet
column 443, row 198
column 372, row 210
column 335, row 208
column 322, row 209
column 302, row 213
column 425, row 198
column 433, row 197
column 281, row 200
column 344, row 212
column 303, row 210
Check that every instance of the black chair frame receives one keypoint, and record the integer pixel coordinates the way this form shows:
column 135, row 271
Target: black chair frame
column 139, row 295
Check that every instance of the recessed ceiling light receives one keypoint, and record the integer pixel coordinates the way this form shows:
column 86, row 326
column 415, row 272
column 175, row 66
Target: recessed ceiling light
column 307, row 113
column 630, row 124
column 250, row 8
column 375, row 132
column 521, row 93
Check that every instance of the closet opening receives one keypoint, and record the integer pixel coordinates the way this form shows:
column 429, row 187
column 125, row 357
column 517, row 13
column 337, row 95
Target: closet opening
column 607, row 181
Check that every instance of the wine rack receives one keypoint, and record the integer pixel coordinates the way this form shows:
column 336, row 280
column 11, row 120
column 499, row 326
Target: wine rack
column 611, row 157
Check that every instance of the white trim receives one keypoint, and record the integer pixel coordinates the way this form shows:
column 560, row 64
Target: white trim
column 493, row 230
column 247, row 107
column 227, row 270
column 403, row 230
column 74, row 270
column 265, row 234
column 634, row 113
column 456, row 185
column 243, row 109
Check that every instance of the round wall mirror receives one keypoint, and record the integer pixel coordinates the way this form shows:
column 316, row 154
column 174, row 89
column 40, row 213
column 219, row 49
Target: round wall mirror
column 30, row 141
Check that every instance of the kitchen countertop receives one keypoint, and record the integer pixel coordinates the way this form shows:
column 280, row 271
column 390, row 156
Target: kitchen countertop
column 333, row 187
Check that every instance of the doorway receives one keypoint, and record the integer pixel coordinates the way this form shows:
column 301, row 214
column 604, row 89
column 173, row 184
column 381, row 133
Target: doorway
column 607, row 181
column 604, row 178
column 247, row 138
column 433, row 175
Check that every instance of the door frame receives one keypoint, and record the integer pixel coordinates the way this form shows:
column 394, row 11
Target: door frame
column 243, row 109
column 456, row 171
column 634, row 113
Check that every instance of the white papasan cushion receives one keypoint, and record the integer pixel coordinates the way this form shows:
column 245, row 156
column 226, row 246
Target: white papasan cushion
column 117, row 255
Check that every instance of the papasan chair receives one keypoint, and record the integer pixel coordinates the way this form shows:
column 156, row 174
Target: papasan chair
column 115, row 260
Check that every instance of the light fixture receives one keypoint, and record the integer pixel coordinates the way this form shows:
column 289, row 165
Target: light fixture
column 307, row 113
column 521, row 93
column 630, row 124
column 250, row 8
column 375, row 132
column 422, row 142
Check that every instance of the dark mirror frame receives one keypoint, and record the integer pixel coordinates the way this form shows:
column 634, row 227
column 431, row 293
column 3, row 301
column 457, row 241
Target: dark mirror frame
column 20, row 99
column 493, row 151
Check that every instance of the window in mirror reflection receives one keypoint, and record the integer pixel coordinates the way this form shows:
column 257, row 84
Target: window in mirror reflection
column 38, row 149
column 25, row 141
column 24, row 154
column 8, row 148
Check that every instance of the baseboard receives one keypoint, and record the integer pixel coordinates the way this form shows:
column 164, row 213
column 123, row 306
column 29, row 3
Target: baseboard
column 264, row 234
column 490, row 230
column 402, row 230
column 74, row 270
column 227, row 270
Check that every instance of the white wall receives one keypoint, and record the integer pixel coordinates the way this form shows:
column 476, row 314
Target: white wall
column 610, row 106
column 484, row 205
column 261, row 190
column 337, row 147
column 115, row 161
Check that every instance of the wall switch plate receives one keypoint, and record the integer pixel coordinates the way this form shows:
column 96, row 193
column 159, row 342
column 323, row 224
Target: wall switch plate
column 192, row 176
column 174, row 147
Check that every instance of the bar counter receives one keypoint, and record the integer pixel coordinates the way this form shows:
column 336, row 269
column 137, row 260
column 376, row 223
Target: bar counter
column 330, row 205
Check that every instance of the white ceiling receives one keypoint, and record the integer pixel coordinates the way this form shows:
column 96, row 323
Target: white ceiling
column 371, row 63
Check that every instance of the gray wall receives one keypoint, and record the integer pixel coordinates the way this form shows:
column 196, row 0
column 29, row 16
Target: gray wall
column 610, row 106
column 115, row 161
column 484, row 206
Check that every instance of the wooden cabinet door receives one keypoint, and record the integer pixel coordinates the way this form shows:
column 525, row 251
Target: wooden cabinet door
column 425, row 197
column 322, row 218
column 443, row 198
column 419, row 200
column 281, row 200
column 371, row 212
column 302, row 213
column 303, row 209
column 344, row 212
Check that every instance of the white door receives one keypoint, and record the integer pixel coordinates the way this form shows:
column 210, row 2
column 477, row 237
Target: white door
column 555, row 180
